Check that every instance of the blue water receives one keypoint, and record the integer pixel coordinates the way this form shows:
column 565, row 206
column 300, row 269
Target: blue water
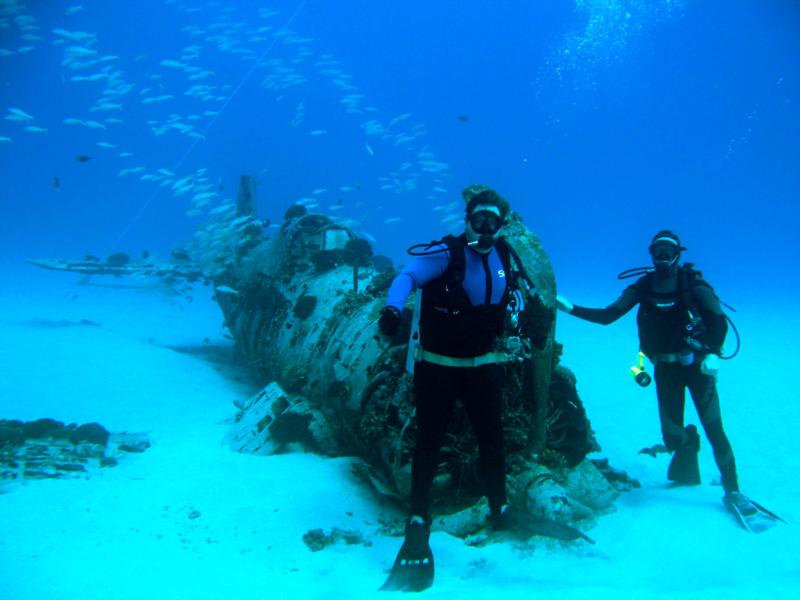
column 601, row 122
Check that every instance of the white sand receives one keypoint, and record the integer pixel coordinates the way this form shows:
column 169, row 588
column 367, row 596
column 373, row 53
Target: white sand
column 126, row 532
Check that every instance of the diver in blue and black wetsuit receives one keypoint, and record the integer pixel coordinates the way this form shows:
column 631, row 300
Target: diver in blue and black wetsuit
column 465, row 291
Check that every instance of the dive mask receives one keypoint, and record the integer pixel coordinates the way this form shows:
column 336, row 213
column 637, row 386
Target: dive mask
column 664, row 252
column 485, row 222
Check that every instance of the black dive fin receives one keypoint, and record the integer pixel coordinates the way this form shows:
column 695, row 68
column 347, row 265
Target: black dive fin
column 755, row 518
column 413, row 568
column 684, row 468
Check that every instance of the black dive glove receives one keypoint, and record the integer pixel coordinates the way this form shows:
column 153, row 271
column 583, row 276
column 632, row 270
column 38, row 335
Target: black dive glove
column 389, row 321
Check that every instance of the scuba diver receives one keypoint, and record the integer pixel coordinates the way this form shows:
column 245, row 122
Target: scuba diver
column 681, row 330
column 465, row 292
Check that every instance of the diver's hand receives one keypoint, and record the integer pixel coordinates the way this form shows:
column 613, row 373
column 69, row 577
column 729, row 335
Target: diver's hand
column 389, row 321
column 564, row 304
column 710, row 365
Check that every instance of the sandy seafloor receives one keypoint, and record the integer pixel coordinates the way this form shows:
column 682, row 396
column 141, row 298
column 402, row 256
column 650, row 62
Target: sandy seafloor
column 126, row 532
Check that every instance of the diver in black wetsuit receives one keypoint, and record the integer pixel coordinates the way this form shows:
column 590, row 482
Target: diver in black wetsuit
column 681, row 330
column 465, row 291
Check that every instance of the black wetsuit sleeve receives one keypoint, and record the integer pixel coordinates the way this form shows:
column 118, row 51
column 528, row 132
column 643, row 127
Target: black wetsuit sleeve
column 716, row 326
column 612, row 312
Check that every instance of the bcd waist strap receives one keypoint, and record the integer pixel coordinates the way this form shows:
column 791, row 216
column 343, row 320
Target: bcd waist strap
column 455, row 361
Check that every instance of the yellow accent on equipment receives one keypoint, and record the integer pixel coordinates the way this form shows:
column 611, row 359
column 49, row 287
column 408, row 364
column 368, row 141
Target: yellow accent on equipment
column 638, row 373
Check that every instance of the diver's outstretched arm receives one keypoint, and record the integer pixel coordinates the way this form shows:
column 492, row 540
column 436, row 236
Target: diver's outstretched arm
column 604, row 316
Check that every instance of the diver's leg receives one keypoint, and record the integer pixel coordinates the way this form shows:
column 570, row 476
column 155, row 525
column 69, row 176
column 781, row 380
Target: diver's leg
column 434, row 396
column 413, row 568
column 706, row 400
column 683, row 441
column 671, row 400
column 482, row 394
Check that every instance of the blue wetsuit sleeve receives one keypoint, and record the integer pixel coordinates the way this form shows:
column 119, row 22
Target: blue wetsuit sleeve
column 419, row 272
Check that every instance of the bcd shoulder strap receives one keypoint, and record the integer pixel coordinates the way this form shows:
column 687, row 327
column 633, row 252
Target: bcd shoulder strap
column 690, row 278
column 458, row 262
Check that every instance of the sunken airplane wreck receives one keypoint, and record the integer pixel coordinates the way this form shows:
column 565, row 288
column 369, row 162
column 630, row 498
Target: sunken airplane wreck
column 302, row 307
